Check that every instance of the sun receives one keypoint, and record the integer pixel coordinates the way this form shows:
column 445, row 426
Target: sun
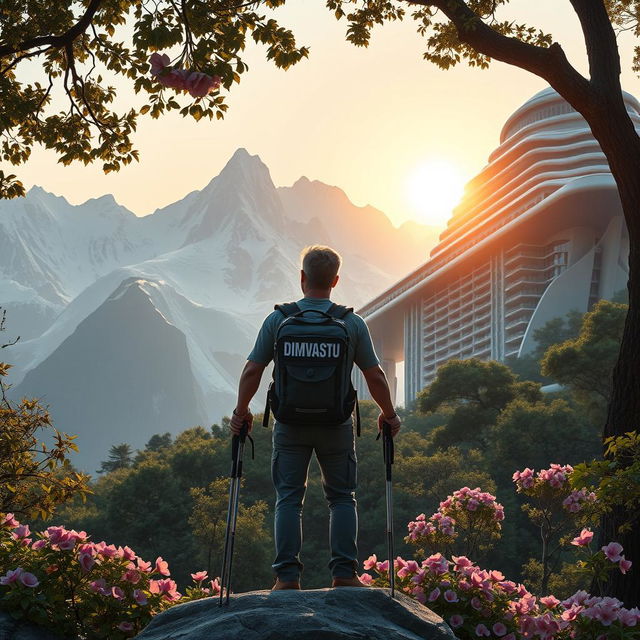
column 434, row 188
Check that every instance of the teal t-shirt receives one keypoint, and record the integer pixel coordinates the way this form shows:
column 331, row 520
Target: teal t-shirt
column 361, row 351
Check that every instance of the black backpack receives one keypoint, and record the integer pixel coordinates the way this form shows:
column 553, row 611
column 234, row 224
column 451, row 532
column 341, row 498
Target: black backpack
column 311, row 378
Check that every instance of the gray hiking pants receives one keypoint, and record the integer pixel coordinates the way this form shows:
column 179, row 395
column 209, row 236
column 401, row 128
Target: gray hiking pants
column 335, row 450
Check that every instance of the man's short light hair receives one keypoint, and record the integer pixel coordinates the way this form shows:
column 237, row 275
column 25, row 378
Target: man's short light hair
column 320, row 264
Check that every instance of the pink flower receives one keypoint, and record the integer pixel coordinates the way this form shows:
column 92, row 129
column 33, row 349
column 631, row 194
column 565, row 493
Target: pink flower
column 499, row 629
column 365, row 578
column 21, row 531
column 550, row 601
column 54, row 534
column 456, row 621
column 144, row 566
column 624, row 564
column 117, row 593
column 570, row 614
column 476, row 603
column 132, row 575
column 524, row 479
column 411, row 566
column 86, row 561
column 105, row 550
column 28, row 579
column 578, row 598
column 38, row 544
column 481, row 630
column 436, row 563
column 11, row 576
column 215, row 586
column 87, row 548
column 629, row 617
column 175, row 79
column 451, row 596
column 125, row 626
column 461, row 562
column 167, row 588
column 98, row 586
column 129, row 554
column 434, row 595
column 612, row 551
column 370, row 562
column 583, row 539
column 199, row 576
column 9, row 521
column 158, row 63
column 200, row 84
column 162, row 567
column 382, row 566
column 67, row 543
column 139, row 596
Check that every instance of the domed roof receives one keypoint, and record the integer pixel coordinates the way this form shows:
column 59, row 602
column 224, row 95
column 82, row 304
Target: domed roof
column 549, row 105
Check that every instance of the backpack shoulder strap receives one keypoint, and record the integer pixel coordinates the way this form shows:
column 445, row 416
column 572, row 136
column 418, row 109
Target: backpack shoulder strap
column 288, row 309
column 339, row 311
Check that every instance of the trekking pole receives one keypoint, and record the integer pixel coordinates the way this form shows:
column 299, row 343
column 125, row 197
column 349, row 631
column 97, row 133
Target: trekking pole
column 237, row 452
column 387, row 452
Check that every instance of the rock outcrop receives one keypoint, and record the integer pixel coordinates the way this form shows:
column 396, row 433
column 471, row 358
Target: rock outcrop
column 12, row 629
column 346, row 613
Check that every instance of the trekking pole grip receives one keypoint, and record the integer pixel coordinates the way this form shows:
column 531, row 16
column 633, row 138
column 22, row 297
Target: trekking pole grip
column 236, row 459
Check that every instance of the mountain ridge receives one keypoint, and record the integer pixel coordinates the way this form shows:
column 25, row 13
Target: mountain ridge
column 210, row 265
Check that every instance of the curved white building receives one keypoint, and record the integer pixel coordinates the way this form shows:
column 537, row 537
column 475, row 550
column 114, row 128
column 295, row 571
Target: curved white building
column 539, row 232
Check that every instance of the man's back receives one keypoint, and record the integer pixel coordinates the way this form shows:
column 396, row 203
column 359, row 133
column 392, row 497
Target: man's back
column 361, row 351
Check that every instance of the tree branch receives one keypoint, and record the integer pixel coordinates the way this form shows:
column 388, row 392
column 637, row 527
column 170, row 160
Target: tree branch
column 550, row 63
column 602, row 47
column 55, row 41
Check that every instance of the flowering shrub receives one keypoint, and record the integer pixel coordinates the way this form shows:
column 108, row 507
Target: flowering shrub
column 60, row 579
column 614, row 480
column 558, row 510
column 469, row 519
column 478, row 603
column 196, row 83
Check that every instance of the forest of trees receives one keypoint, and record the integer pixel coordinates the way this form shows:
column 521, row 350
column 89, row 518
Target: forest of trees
column 474, row 426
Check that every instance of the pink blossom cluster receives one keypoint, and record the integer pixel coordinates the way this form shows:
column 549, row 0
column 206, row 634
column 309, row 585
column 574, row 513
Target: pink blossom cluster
column 196, row 83
column 602, row 609
column 116, row 573
column 21, row 576
column 420, row 527
column 555, row 476
column 611, row 552
column 463, row 501
column 574, row 501
column 485, row 604
column 471, row 500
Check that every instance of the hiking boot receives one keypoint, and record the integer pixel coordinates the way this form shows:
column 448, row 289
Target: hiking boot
column 354, row 581
column 280, row 585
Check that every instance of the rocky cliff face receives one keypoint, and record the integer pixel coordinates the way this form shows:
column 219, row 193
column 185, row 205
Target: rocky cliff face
column 346, row 613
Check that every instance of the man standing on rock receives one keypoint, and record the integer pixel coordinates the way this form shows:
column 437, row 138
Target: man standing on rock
column 315, row 344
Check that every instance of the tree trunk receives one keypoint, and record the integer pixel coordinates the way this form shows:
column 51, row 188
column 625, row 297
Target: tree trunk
column 616, row 134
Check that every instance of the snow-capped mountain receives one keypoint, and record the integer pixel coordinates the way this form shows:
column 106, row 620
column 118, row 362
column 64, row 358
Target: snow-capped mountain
column 203, row 271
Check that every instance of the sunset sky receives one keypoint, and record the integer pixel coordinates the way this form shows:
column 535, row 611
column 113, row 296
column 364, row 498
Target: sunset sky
column 367, row 120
